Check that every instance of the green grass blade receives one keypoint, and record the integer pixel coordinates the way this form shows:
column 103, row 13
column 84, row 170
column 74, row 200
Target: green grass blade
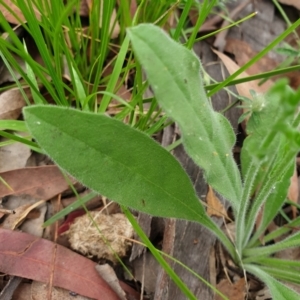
column 181, row 285
column 62, row 213
column 256, row 58
column 252, row 254
column 13, row 125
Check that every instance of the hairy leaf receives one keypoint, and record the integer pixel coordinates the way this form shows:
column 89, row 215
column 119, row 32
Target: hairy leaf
column 278, row 290
column 117, row 161
column 174, row 74
column 268, row 151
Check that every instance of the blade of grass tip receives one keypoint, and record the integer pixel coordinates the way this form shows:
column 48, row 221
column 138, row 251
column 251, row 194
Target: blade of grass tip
column 150, row 117
column 182, row 19
column 94, row 31
column 13, row 66
column 36, row 33
column 138, row 86
column 115, row 75
column 114, row 96
column 6, row 184
column 15, row 125
column 105, row 16
column 7, row 28
column 36, row 96
column 12, row 73
column 181, row 285
column 174, row 145
column 52, row 14
column 6, row 48
column 22, row 140
column 7, row 143
column 204, row 11
column 80, row 202
column 158, row 126
column 255, row 77
column 137, row 13
column 166, row 11
column 81, row 95
column 256, row 58
column 125, row 16
column 226, row 27
column 60, row 46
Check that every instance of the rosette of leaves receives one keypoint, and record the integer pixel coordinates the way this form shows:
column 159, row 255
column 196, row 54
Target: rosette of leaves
column 130, row 168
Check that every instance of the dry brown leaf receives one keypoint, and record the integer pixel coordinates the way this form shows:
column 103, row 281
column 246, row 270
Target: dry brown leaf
column 14, row 220
column 243, row 88
column 40, row 182
column 39, row 290
column 214, row 206
column 34, row 222
column 10, row 17
column 11, row 104
column 295, row 3
column 233, row 291
column 109, row 275
column 31, row 257
column 13, row 156
column 293, row 192
column 243, row 53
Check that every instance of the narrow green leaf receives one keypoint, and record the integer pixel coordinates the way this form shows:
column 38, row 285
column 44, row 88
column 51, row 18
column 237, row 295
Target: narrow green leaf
column 278, row 290
column 174, row 74
column 116, row 160
column 65, row 211
column 291, row 241
column 13, row 125
column 269, row 151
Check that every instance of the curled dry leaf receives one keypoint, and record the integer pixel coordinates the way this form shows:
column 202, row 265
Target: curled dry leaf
column 109, row 275
column 34, row 258
column 14, row 220
column 234, row 291
column 110, row 240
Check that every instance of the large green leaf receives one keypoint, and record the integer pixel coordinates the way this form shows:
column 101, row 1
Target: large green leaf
column 174, row 74
column 117, row 161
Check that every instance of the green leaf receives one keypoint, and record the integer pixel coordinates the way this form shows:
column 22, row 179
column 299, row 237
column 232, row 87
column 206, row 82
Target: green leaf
column 174, row 74
column 267, row 159
column 117, row 161
column 278, row 290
